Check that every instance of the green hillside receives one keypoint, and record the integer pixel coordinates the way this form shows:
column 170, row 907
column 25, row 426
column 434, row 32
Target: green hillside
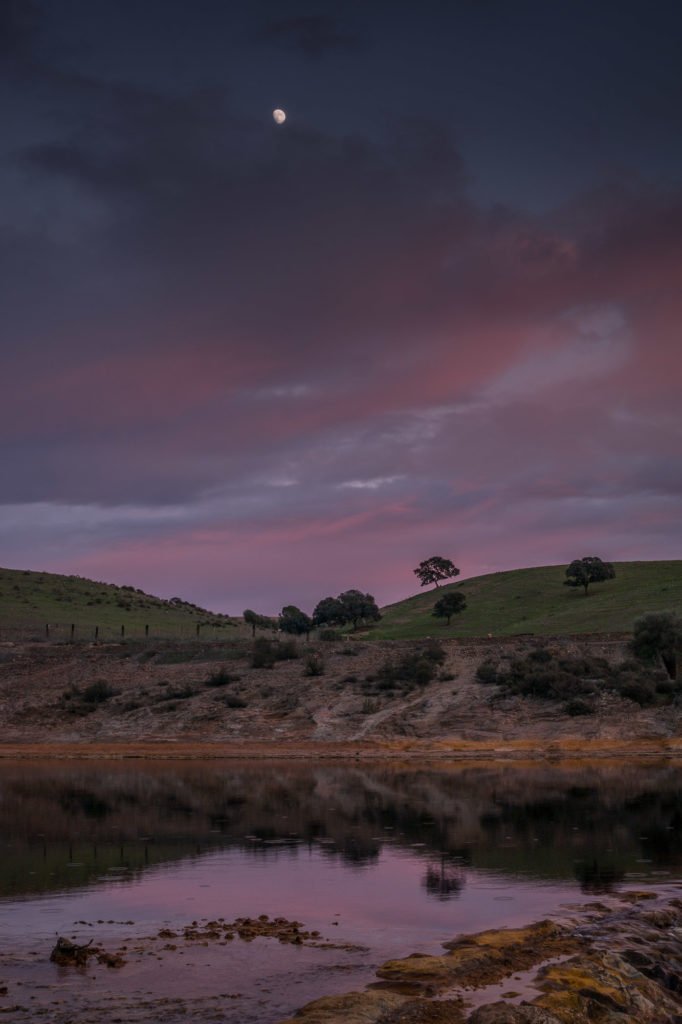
column 31, row 600
column 535, row 601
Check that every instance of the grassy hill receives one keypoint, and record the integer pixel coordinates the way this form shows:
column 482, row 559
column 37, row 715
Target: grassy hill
column 30, row 600
column 535, row 601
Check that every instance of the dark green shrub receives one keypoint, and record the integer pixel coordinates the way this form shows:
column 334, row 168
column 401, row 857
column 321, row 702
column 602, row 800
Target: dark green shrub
column 639, row 691
column 314, row 665
column 540, row 655
column 329, row 635
column 230, row 700
column 487, row 672
column 578, row 706
column 262, row 653
column 221, row 678
column 97, row 693
column 287, row 650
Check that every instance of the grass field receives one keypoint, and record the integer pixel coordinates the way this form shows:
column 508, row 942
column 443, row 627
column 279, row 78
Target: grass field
column 31, row 600
column 536, row 601
column 502, row 603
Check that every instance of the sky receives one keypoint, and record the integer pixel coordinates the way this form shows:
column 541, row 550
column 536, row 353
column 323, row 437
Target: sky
column 436, row 311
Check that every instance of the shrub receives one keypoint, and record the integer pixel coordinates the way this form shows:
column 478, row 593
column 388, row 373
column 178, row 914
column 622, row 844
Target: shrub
column 329, row 635
column 540, row 655
column 287, row 651
column 578, row 706
column 97, row 693
column 640, row 691
column 369, row 706
column 262, row 653
column 230, row 700
column 221, row 678
column 314, row 665
column 487, row 672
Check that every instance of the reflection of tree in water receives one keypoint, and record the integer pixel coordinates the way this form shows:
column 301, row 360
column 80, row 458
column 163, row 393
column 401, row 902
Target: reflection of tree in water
column 598, row 879
column 444, row 879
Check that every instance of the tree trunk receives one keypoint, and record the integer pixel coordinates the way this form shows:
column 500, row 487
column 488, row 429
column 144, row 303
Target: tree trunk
column 586, row 585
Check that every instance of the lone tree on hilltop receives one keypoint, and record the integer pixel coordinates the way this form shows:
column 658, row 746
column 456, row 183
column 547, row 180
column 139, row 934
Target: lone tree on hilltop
column 658, row 635
column 449, row 605
column 293, row 620
column 583, row 571
column 435, row 569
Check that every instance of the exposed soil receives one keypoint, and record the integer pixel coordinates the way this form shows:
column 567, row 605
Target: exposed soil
column 159, row 701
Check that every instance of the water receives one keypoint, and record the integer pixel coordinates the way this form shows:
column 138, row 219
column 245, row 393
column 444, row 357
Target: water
column 382, row 861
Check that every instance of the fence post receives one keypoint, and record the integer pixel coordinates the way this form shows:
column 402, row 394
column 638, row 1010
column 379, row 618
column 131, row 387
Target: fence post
column 73, row 630
column 198, row 629
column 96, row 633
column 123, row 632
column 146, row 631
column 47, row 630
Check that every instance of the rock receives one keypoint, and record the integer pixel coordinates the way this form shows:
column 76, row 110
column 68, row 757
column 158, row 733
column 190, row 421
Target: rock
column 506, row 1013
column 352, row 1008
column 70, row 954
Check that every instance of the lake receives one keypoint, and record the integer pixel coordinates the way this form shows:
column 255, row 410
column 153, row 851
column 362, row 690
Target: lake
column 382, row 860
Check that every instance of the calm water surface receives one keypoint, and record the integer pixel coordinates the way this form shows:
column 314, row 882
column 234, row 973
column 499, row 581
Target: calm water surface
column 384, row 861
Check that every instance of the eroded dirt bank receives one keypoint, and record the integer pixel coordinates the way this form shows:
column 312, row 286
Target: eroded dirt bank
column 208, row 701
column 618, row 961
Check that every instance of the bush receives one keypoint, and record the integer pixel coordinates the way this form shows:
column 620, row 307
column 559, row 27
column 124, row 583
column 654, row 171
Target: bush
column 578, row 706
column 221, row 678
column 540, row 655
column 329, row 635
column 487, row 672
column 97, row 693
column 230, row 700
column 262, row 653
column 314, row 665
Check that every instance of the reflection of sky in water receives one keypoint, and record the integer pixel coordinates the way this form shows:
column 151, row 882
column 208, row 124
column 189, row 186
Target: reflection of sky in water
column 396, row 862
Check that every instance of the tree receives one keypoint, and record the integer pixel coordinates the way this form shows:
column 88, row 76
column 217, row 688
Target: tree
column 293, row 620
column 359, row 607
column 449, row 605
column 330, row 612
column 658, row 635
column 583, row 571
column 257, row 621
column 435, row 569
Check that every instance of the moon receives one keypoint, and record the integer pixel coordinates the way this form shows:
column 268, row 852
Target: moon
column 279, row 117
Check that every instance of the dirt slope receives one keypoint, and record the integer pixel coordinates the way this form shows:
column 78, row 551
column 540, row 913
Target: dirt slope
column 162, row 694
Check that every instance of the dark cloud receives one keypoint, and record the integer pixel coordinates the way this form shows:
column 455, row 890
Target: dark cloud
column 313, row 35
column 19, row 21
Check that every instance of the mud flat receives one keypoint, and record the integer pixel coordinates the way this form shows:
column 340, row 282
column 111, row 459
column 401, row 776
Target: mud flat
column 617, row 961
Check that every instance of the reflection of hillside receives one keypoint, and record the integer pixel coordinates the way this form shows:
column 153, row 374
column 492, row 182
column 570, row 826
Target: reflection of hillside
column 65, row 824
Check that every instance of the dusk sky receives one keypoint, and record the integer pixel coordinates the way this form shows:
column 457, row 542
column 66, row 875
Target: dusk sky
column 438, row 310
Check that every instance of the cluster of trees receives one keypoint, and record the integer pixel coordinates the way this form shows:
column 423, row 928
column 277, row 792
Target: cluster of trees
column 351, row 607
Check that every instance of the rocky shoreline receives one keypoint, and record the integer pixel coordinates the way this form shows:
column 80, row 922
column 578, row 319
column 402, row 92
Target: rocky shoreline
column 617, row 961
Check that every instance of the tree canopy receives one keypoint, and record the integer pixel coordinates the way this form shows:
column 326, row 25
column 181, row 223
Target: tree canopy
column 434, row 570
column 583, row 571
column 449, row 605
column 257, row 621
column 658, row 635
column 293, row 620
column 352, row 606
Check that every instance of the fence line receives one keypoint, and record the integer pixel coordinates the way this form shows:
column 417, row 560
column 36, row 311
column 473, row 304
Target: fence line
column 75, row 632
